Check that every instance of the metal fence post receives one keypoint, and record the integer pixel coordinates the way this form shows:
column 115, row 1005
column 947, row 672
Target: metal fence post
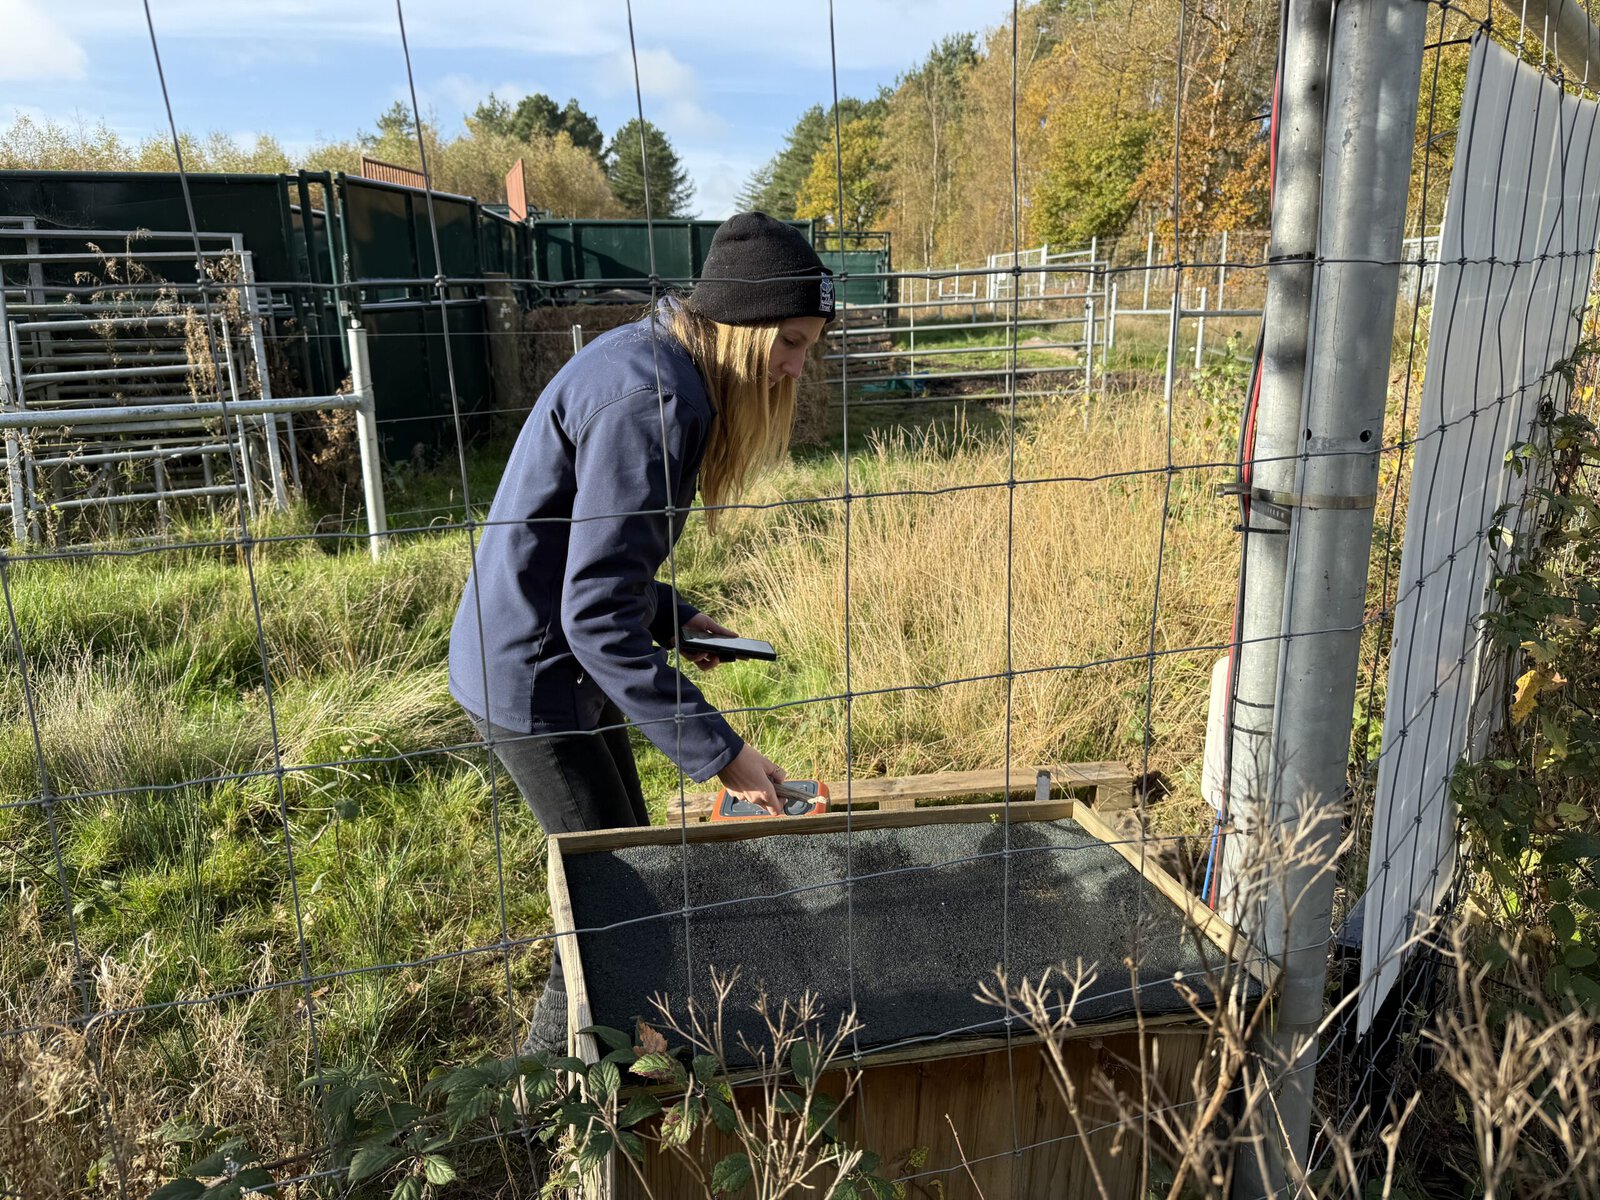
column 1200, row 333
column 14, row 476
column 1374, row 70
column 258, row 347
column 246, row 458
column 1149, row 265
column 367, row 440
column 1111, row 321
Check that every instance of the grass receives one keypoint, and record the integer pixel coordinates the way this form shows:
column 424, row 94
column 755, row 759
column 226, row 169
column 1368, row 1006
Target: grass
column 187, row 782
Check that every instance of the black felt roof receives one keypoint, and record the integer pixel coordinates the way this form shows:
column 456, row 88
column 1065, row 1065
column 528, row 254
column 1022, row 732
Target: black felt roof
column 933, row 910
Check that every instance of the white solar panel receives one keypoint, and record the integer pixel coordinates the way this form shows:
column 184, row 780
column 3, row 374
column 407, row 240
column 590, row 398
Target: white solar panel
column 1516, row 256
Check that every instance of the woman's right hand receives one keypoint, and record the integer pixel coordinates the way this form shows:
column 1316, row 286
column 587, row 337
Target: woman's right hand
column 751, row 776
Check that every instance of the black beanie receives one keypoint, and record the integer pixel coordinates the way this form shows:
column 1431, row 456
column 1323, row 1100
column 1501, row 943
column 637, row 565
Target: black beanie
column 760, row 269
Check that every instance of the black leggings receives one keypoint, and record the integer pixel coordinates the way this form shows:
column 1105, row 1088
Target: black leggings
column 571, row 782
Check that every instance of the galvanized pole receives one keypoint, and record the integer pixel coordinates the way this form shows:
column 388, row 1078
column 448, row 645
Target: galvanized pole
column 14, row 445
column 367, row 439
column 1374, row 71
column 1286, row 324
column 1243, row 890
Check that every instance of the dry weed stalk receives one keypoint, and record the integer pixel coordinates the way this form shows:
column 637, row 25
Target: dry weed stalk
column 1226, row 1107
column 1529, row 1073
column 786, row 1129
column 788, row 1144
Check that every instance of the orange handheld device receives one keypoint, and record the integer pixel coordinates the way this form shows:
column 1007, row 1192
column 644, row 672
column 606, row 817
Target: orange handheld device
column 801, row 798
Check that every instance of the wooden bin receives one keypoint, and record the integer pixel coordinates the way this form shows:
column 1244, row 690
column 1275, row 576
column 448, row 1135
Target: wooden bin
column 1017, row 1135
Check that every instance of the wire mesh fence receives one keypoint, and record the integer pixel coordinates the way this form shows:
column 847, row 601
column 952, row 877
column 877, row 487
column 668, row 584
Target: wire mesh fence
column 277, row 915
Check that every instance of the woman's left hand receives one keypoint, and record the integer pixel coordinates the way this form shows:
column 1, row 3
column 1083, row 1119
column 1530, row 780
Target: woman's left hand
column 700, row 623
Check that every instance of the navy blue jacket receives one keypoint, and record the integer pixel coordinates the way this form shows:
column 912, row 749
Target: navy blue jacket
column 565, row 571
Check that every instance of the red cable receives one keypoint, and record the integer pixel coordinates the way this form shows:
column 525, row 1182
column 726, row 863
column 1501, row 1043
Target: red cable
column 1245, row 459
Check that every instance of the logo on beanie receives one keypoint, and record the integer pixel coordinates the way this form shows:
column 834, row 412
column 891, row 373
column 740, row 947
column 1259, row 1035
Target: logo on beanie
column 827, row 294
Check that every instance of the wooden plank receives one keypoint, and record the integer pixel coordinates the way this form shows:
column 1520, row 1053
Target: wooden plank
column 939, row 1051
column 832, row 822
column 1110, row 782
column 579, row 1014
column 1209, row 922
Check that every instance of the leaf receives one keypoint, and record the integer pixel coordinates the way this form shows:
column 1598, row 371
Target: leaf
column 705, row 1068
column 604, row 1080
column 803, row 1061
column 640, row 1108
column 614, row 1038
column 1562, row 923
column 595, row 1150
column 632, row 1145
column 409, row 1188
column 462, row 1107
column 1572, row 814
column 1587, row 990
column 677, row 1127
column 1529, row 686
column 438, row 1170
column 1526, row 697
column 373, row 1160
column 224, row 1159
column 732, row 1173
column 790, row 1103
column 1570, row 847
column 1577, row 956
column 255, row 1179
column 651, row 1041
column 660, row 1066
column 722, row 1114
column 179, row 1189
column 1589, row 898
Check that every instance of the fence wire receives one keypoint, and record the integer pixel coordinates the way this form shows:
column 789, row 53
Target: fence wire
column 75, row 837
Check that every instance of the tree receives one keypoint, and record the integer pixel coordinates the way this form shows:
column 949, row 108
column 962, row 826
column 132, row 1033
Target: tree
column 395, row 124
column 669, row 185
column 538, row 116
column 860, row 157
column 774, row 187
column 919, row 134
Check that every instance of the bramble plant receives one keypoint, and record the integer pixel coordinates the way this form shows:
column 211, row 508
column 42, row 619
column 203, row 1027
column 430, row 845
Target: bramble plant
column 1532, row 811
column 642, row 1098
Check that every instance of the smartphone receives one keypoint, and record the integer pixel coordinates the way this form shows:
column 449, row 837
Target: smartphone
column 728, row 649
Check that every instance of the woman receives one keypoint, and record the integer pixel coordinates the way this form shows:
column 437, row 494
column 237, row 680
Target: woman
column 563, row 629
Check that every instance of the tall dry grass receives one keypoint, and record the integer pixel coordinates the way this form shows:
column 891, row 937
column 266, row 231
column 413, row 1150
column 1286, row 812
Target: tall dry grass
column 930, row 596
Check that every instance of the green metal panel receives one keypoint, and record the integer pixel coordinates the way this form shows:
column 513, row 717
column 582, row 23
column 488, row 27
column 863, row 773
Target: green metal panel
column 388, row 236
column 497, row 242
column 256, row 206
column 616, row 253
column 866, row 272
column 410, row 379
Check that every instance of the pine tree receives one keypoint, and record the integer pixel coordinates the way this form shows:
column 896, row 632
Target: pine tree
column 670, row 189
column 774, row 188
column 537, row 116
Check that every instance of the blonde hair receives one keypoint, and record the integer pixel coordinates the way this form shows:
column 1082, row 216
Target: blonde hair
column 754, row 417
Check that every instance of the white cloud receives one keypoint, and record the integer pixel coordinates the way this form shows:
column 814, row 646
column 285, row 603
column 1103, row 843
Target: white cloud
column 661, row 74
column 717, row 180
column 36, row 46
column 670, row 88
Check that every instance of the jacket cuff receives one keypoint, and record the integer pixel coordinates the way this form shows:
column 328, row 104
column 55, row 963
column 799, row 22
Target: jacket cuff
column 663, row 627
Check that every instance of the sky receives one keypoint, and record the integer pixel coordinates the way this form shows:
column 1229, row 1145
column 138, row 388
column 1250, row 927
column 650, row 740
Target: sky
column 724, row 80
